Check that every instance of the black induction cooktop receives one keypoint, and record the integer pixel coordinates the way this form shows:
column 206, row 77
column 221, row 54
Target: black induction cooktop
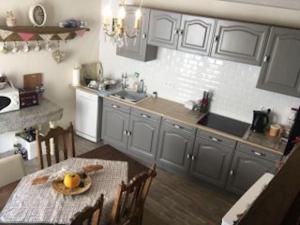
column 225, row 124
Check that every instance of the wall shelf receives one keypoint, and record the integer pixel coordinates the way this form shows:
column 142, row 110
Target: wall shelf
column 11, row 34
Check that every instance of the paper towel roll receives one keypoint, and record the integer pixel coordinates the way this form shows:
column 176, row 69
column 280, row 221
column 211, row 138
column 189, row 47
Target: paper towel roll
column 76, row 77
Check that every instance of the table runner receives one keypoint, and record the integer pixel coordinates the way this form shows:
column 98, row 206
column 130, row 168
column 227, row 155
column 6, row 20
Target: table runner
column 41, row 204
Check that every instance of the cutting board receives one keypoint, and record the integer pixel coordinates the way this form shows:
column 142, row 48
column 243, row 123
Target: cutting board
column 31, row 81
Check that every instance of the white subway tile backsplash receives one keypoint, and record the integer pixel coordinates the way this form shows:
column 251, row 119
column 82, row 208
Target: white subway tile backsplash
column 181, row 76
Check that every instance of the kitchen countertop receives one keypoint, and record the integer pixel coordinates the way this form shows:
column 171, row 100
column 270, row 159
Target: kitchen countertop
column 45, row 112
column 176, row 111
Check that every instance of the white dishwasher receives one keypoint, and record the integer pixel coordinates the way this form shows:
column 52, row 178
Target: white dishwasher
column 88, row 115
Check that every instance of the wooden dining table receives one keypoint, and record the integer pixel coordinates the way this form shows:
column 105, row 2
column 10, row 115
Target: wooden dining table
column 105, row 152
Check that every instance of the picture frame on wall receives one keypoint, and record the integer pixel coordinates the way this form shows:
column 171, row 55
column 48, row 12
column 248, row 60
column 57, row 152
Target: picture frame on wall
column 287, row 4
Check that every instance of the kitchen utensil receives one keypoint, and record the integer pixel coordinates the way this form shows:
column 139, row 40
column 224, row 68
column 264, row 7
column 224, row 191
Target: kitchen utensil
column 260, row 121
column 26, row 48
column 274, row 130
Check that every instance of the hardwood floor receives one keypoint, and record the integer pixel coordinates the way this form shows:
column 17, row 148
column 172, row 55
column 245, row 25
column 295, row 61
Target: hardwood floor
column 172, row 200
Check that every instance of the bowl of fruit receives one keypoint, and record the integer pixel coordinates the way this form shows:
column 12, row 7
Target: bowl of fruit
column 73, row 183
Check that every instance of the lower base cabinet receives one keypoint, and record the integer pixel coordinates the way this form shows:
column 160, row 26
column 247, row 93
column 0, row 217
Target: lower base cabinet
column 211, row 161
column 246, row 169
column 143, row 138
column 175, row 147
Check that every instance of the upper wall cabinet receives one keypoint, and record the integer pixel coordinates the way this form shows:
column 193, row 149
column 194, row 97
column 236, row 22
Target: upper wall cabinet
column 196, row 34
column 138, row 48
column 164, row 29
column 281, row 68
column 241, row 42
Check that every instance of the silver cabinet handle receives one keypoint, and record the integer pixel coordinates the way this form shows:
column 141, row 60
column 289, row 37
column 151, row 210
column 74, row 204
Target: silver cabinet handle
column 215, row 139
column 266, row 58
column 188, row 156
column 115, row 106
column 181, row 32
column 193, row 158
column 177, row 126
column 217, row 38
column 231, row 173
column 129, row 133
column 144, row 35
column 145, row 116
column 125, row 132
column 177, row 31
column 258, row 153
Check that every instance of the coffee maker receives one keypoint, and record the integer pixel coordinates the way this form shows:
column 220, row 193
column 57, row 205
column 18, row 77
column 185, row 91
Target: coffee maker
column 260, row 121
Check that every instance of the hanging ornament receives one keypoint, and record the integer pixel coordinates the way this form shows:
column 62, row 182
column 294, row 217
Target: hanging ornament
column 63, row 36
column 5, row 34
column 46, row 37
column 25, row 36
column 80, row 33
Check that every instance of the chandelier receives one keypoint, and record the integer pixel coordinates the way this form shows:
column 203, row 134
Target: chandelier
column 115, row 29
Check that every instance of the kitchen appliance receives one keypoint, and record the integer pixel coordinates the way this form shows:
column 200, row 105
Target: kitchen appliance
column 260, row 121
column 29, row 98
column 9, row 99
column 294, row 133
column 32, row 81
column 224, row 124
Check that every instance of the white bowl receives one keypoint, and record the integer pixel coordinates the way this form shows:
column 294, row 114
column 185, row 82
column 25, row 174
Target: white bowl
column 2, row 85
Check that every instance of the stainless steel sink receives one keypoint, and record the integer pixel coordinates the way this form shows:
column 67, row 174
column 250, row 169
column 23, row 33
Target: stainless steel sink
column 131, row 96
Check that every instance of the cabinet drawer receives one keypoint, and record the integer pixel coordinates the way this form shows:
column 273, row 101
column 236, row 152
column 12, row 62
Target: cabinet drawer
column 145, row 115
column 216, row 138
column 116, row 105
column 260, row 153
column 179, row 126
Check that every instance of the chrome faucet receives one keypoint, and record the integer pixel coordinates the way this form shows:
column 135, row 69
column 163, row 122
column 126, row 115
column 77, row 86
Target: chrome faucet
column 124, row 81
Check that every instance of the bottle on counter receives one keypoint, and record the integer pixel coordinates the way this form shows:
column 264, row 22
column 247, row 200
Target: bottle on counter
column 204, row 103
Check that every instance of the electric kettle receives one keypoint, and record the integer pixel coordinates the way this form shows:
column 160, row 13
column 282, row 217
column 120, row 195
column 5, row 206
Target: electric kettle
column 260, row 121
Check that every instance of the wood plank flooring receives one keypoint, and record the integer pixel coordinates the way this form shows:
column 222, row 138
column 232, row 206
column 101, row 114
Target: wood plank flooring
column 173, row 200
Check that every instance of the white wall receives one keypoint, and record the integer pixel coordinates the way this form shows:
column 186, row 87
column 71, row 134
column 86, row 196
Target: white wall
column 57, row 77
column 180, row 76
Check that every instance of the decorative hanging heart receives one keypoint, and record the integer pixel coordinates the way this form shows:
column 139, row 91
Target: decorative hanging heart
column 4, row 34
column 25, row 36
column 63, row 36
column 80, row 33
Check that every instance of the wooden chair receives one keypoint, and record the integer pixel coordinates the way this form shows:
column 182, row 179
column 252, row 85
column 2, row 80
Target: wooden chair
column 57, row 134
column 89, row 215
column 129, row 203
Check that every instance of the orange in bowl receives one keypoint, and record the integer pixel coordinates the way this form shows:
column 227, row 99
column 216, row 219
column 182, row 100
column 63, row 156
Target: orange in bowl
column 71, row 180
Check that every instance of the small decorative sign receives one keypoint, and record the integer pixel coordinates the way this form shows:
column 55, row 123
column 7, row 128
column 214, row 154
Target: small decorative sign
column 26, row 36
column 4, row 34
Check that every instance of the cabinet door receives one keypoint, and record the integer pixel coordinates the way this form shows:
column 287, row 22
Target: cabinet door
column 175, row 147
column 211, row 161
column 241, row 42
column 281, row 68
column 137, row 48
column 143, row 137
column 246, row 170
column 164, row 29
column 196, row 34
column 114, row 125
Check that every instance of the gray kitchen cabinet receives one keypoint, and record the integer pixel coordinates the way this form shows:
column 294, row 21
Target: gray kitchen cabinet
column 196, row 34
column 137, row 48
column 281, row 68
column 211, row 159
column 248, row 165
column 164, row 29
column 115, row 123
column 143, row 137
column 175, row 146
column 241, row 42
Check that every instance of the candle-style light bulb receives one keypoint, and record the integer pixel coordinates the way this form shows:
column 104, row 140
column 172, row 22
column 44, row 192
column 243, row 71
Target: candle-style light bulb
column 138, row 16
column 107, row 15
column 121, row 16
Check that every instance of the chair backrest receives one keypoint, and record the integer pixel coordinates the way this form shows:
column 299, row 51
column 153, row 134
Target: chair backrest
column 62, row 138
column 12, row 169
column 130, row 199
column 89, row 215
